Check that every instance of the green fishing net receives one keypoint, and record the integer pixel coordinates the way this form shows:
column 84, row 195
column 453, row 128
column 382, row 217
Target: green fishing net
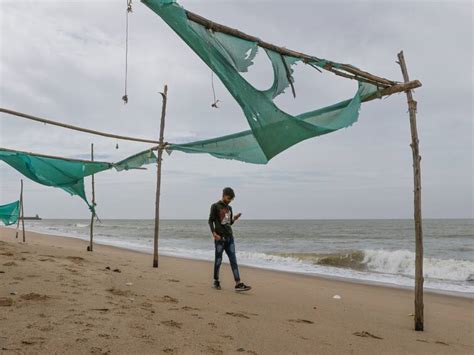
column 67, row 174
column 271, row 129
column 10, row 213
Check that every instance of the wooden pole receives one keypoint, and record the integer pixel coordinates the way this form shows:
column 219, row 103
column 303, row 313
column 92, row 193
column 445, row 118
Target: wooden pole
column 93, row 204
column 164, row 95
column 76, row 128
column 22, row 211
column 417, row 200
column 357, row 74
column 19, row 212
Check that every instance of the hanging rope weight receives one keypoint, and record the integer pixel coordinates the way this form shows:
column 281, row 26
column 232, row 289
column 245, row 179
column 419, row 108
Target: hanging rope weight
column 129, row 10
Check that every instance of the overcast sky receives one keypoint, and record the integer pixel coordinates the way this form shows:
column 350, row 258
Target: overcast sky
column 65, row 60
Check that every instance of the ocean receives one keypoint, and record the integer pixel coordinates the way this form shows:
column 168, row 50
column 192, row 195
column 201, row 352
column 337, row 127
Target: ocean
column 370, row 251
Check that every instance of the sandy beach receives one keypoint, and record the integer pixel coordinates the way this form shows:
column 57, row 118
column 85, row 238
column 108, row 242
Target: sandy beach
column 57, row 298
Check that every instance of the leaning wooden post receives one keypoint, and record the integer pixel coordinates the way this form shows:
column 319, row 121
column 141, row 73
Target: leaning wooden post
column 164, row 95
column 93, row 204
column 22, row 211
column 417, row 201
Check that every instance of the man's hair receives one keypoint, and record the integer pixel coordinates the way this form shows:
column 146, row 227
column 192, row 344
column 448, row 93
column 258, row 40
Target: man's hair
column 228, row 192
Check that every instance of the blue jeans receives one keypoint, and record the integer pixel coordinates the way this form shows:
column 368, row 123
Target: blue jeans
column 227, row 245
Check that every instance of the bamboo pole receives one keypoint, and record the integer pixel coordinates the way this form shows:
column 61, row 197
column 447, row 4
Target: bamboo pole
column 93, row 204
column 164, row 95
column 412, row 105
column 76, row 128
column 22, row 211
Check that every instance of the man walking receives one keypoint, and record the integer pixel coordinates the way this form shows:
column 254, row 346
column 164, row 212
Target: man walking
column 220, row 220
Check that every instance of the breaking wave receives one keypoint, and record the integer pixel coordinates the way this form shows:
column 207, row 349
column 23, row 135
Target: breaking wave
column 397, row 262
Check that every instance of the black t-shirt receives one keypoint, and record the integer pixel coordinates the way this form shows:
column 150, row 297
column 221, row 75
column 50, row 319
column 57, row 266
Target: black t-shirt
column 221, row 219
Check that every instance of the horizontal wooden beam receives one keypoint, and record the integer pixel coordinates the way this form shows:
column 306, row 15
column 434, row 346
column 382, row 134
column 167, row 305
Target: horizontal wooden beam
column 76, row 128
column 356, row 73
column 394, row 89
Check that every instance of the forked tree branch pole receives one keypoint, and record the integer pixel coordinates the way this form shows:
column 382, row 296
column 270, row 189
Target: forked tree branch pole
column 412, row 106
column 164, row 95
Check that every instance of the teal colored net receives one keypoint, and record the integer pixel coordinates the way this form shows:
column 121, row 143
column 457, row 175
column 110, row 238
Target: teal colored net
column 271, row 129
column 67, row 174
column 10, row 213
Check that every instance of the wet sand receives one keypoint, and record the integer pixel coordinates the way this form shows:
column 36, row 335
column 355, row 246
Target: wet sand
column 57, row 298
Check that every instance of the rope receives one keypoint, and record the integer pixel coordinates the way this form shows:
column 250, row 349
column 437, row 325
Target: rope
column 214, row 91
column 129, row 10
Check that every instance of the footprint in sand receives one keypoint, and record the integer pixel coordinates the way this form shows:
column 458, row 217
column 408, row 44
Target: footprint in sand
column 97, row 350
column 187, row 308
column 34, row 297
column 10, row 263
column 172, row 323
column 365, row 334
column 169, row 299
column 47, row 328
column 33, row 340
column 238, row 315
column 75, row 259
column 118, row 292
column 305, row 321
column 6, row 302
column 212, row 350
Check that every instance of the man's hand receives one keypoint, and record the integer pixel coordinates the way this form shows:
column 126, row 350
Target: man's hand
column 237, row 216
column 216, row 236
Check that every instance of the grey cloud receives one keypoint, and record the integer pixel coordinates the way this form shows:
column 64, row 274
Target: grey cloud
column 66, row 62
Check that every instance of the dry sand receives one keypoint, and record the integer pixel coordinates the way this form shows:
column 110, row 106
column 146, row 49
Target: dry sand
column 57, row 298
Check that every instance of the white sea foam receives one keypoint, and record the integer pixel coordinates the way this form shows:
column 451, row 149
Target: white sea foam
column 395, row 267
column 403, row 262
